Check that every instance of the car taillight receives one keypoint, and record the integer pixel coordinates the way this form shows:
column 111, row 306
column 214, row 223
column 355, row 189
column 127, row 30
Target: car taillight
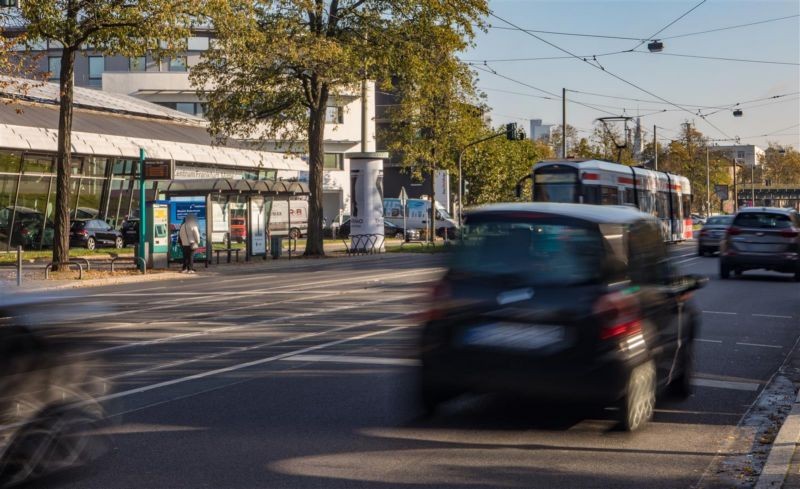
column 619, row 315
column 24, row 231
column 790, row 233
column 733, row 231
column 439, row 295
column 703, row 232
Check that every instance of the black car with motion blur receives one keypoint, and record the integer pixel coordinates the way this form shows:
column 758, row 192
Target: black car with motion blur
column 561, row 302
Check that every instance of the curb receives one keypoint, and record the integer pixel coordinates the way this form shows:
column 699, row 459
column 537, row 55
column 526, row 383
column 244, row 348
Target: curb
column 780, row 455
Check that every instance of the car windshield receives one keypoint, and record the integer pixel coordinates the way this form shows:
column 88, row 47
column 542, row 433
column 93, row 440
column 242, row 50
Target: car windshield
column 762, row 220
column 719, row 220
column 539, row 252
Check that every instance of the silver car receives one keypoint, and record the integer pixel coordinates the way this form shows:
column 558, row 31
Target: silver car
column 762, row 237
column 712, row 233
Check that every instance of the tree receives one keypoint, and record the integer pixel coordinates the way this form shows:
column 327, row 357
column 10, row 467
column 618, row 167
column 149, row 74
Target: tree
column 131, row 28
column 494, row 168
column 572, row 140
column 277, row 63
column 781, row 166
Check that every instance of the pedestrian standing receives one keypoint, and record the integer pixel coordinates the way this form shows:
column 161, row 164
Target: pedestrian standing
column 189, row 236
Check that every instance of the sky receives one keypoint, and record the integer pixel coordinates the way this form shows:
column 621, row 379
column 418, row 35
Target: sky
column 683, row 81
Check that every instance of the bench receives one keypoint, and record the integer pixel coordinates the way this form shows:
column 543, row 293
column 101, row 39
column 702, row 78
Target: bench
column 229, row 251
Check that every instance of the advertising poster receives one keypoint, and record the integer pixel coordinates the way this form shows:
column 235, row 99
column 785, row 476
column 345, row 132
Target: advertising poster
column 179, row 208
column 258, row 231
column 366, row 194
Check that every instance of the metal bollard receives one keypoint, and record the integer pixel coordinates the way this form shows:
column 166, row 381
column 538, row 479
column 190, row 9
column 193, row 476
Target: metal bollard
column 19, row 266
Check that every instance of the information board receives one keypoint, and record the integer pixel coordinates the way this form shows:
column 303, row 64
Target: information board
column 159, row 169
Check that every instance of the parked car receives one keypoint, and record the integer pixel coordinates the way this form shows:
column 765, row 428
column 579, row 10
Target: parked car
column 389, row 231
column 762, row 238
column 563, row 302
column 130, row 232
column 712, row 233
column 28, row 225
column 94, row 233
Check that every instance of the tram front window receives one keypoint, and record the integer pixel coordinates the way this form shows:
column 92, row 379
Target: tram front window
column 558, row 186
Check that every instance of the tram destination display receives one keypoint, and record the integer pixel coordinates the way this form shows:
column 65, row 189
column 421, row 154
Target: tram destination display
column 159, row 170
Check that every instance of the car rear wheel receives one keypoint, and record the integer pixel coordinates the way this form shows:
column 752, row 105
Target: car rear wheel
column 431, row 395
column 91, row 243
column 701, row 252
column 294, row 233
column 797, row 274
column 119, row 243
column 637, row 407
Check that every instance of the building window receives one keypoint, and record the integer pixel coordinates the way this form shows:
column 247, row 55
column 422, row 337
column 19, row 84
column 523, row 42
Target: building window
column 334, row 161
column 9, row 3
column 137, row 63
column 186, row 107
column 177, row 63
column 197, row 44
column 54, row 67
column 334, row 115
column 97, row 65
column 740, row 154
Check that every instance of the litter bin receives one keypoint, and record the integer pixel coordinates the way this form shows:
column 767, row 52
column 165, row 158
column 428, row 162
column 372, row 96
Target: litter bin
column 276, row 246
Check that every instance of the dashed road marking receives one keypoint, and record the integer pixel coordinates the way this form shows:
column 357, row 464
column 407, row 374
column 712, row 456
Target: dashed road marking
column 405, row 362
column 721, row 312
column 726, row 384
column 758, row 344
column 775, row 316
column 708, row 341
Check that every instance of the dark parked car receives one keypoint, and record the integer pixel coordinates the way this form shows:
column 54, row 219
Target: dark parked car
column 562, row 302
column 130, row 232
column 28, row 225
column 762, row 238
column 712, row 234
column 94, row 233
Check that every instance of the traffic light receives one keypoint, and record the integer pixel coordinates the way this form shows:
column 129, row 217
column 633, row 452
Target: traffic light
column 465, row 186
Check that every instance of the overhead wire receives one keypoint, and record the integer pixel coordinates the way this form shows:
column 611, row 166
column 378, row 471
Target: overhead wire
column 671, row 23
column 718, row 58
column 611, row 73
column 631, row 38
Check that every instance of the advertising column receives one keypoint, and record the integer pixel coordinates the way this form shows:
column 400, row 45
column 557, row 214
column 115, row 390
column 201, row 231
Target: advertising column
column 366, row 201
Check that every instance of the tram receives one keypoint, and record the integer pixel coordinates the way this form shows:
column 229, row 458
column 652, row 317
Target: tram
column 664, row 195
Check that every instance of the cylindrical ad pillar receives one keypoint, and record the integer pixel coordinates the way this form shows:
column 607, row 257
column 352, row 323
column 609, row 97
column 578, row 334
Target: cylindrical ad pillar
column 366, row 202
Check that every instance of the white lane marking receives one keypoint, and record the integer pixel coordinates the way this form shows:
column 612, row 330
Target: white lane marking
column 686, row 261
column 721, row 312
column 759, row 345
column 242, row 349
column 775, row 316
column 405, row 362
column 240, row 366
column 206, row 332
column 366, row 279
column 708, row 341
column 726, row 384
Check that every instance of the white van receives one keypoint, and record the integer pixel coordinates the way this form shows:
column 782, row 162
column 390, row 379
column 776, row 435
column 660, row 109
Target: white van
column 417, row 215
column 280, row 220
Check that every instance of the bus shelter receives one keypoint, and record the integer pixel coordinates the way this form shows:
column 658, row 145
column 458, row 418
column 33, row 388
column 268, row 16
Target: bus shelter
column 235, row 210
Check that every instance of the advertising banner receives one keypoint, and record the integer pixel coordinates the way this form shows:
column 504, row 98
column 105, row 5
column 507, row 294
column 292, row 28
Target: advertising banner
column 258, row 231
column 366, row 198
column 178, row 210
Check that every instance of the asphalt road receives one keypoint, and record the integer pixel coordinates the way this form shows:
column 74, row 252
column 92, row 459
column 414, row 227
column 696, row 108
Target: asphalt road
column 304, row 378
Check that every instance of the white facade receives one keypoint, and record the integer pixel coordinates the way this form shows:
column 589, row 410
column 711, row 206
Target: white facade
column 747, row 155
column 342, row 130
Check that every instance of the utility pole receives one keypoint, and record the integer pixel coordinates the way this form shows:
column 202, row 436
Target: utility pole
column 655, row 146
column 735, row 194
column 753, row 185
column 564, row 123
column 708, row 186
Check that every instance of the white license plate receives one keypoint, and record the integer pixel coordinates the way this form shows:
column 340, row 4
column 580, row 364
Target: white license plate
column 513, row 336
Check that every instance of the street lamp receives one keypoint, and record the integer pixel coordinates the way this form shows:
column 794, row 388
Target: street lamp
column 655, row 46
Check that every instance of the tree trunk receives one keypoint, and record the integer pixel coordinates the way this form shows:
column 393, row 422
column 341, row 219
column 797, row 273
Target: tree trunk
column 62, row 221
column 316, row 153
